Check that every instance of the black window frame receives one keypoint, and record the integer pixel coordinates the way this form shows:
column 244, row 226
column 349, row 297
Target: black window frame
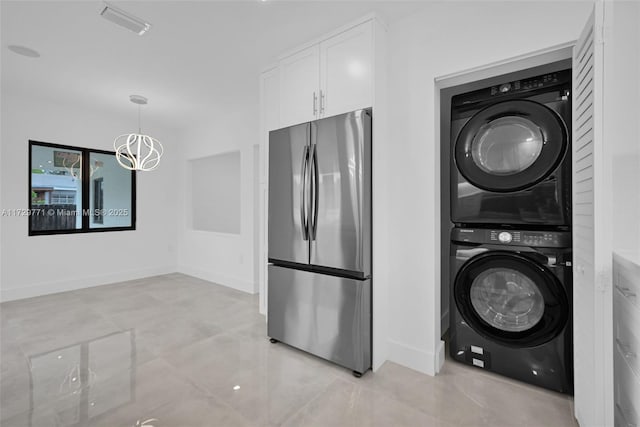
column 86, row 183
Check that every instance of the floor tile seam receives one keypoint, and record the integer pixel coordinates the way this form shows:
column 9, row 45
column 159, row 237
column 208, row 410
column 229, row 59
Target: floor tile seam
column 177, row 373
column 234, row 332
column 489, row 412
column 218, row 399
column 206, row 284
column 384, row 391
column 113, row 329
column 143, row 293
column 176, row 347
column 36, row 300
column 187, row 379
column 227, row 332
column 398, row 399
column 313, row 399
column 115, row 316
column 33, row 313
column 207, row 398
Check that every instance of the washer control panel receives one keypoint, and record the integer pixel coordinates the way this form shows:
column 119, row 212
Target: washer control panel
column 505, row 236
column 549, row 82
column 550, row 239
column 528, row 84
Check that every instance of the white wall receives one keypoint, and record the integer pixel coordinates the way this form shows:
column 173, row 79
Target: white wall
column 622, row 122
column 442, row 39
column 39, row 265
column 222, row 258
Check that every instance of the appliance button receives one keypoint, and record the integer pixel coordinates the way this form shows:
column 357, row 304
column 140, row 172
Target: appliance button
column 505, row 87
column 505, row 237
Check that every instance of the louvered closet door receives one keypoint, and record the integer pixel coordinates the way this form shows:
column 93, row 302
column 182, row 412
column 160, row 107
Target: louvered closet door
column 592, row 230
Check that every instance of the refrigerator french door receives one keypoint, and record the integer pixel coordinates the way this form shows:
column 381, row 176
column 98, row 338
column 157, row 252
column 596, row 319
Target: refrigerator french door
column 319, row 284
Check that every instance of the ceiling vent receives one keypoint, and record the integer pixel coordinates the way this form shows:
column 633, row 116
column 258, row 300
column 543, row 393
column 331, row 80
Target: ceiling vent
column 124, row 19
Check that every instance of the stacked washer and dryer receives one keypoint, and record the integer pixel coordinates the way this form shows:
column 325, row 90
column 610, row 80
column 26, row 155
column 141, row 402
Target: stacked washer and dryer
column 510, row 251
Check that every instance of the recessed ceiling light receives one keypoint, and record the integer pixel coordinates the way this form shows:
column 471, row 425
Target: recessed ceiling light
column 124, row 19
column 24, row 51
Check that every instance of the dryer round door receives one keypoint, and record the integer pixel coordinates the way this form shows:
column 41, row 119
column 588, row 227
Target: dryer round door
column 510, row 145
column 509, row 298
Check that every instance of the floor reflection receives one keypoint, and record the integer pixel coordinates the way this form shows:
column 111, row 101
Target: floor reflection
column 82, row 381
column 175, row 351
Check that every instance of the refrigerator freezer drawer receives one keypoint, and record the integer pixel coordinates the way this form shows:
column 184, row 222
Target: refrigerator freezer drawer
column 327, row 316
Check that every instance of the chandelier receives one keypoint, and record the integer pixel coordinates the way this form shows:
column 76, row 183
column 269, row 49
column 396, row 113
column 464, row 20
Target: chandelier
column 135, row 151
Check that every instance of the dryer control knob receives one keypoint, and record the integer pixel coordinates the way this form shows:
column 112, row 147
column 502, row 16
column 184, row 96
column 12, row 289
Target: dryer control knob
column 505, row 237
column 505, row 88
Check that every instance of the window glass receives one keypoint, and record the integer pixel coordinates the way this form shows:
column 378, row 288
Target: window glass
column 109, row 192
column 507, row 145
column 78, row 190
column 56, row 189
column 507, row 299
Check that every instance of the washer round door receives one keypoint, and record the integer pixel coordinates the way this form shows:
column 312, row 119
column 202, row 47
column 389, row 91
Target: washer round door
column 510, row 145
column 509, row 298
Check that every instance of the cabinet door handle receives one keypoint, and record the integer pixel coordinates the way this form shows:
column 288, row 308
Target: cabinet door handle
column 624, row 349
column 322, row 102
column 626, row 292
column 315, row 104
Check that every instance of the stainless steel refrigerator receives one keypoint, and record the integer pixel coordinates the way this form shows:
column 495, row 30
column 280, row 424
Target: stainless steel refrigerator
column 319, row 283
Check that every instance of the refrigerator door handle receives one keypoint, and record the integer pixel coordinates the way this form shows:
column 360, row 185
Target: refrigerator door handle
column 314, row 192
column 303, row 194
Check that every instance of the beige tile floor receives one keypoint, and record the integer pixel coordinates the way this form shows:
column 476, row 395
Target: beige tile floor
column 186, row 352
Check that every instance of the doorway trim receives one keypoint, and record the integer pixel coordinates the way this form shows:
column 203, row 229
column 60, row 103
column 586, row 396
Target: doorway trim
column 442, row 225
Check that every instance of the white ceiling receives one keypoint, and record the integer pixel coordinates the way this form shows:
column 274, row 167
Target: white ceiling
column 199, row 58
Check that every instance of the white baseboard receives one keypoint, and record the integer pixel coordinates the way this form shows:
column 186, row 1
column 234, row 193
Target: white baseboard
column 54, row 287
column 230, row 282
column 439, row 356
column 417, row 359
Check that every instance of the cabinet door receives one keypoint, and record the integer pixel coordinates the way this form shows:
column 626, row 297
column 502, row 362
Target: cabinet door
column 299, row 83
column 592, row 296
column 347, row 71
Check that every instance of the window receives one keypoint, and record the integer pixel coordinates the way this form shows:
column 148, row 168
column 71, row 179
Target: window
column 63, row 197
column 78, row 190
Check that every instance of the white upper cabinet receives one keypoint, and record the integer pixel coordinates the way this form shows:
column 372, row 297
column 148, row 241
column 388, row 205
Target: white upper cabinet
column 331, row 77
column 299, row 87
column 346, row 75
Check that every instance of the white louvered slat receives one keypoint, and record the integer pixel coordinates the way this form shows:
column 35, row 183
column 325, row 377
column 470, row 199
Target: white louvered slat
column 591, row 249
